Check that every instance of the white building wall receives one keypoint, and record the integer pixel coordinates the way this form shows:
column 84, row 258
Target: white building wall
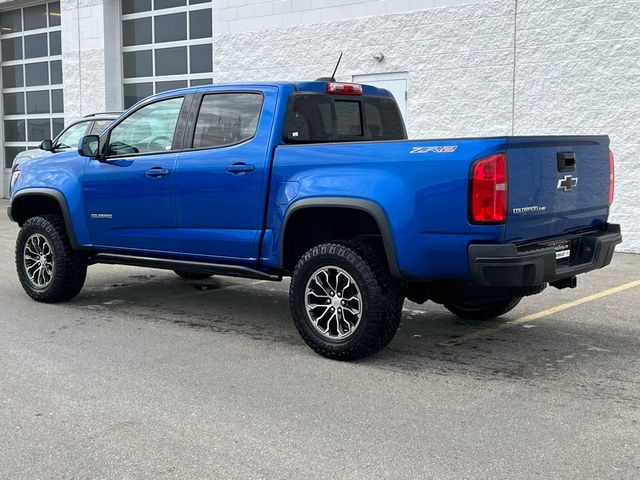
column 234, row 16
column 459, row 61
column 575, row 69
column 90, row 57
column 578, row 71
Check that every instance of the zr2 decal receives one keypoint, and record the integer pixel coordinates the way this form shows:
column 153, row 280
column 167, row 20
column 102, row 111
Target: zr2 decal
column 443, row 149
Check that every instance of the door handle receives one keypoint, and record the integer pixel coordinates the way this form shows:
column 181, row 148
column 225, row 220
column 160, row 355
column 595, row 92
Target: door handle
column 240, row 168
column 157, row 172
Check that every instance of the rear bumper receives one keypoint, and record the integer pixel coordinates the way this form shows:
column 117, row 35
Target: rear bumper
column 511, row 265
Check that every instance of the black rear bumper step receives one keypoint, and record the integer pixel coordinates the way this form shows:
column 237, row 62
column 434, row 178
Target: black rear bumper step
column 510, row 265
column 184, row 265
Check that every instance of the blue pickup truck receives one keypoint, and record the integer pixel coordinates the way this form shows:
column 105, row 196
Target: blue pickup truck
column 317, row 181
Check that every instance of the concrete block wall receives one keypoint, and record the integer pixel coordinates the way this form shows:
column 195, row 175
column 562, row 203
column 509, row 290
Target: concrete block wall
column 234, row 16
column 90, row 57
column 459, row 61
column 493, row 68
column 578, row 71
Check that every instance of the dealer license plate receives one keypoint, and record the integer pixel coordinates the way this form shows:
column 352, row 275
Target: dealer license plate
column 562, row 248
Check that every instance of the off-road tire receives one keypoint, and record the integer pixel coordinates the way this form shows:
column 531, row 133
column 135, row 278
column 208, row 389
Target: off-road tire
column 192, row 275
column 69, row 266
column 483, row 311
column 382, row 299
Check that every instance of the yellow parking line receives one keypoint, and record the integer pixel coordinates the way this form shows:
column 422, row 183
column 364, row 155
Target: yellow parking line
column 535, row 316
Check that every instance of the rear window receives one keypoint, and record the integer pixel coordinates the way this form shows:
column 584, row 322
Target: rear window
column 317, row 118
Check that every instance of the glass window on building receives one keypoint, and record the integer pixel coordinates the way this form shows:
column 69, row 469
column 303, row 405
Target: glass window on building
column 31, row 66
column 166, row 44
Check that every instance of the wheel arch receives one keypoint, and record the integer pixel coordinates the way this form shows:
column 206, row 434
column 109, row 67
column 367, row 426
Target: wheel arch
column 368, row 207
column 31, row 202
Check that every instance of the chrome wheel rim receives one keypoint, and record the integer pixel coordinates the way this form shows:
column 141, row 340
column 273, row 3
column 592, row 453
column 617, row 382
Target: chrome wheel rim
column 333, row 303
column 38, row 260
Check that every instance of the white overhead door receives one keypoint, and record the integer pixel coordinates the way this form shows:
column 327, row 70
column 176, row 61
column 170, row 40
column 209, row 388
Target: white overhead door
column 396, row 83
column 31, row 62
column 166, row 44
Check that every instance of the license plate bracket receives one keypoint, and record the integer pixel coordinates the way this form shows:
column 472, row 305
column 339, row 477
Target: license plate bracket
column 562, row 249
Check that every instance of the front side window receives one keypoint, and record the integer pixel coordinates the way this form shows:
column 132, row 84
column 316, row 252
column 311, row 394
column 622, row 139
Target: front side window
column 72, row 135
column 227, row 119
column 147, row 130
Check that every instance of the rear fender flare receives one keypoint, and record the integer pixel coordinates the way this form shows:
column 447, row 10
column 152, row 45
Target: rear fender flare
column 367, row 206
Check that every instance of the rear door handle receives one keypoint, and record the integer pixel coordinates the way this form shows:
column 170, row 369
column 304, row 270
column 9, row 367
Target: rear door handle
column 240, row 168
column 157, row 172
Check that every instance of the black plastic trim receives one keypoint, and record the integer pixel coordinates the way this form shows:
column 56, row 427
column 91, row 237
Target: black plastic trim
column 354, row 203
column 58, row 197
column 187, row 265
column 510, row 265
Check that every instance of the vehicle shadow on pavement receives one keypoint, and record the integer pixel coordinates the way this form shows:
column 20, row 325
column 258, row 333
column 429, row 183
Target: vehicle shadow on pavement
column 260, row 311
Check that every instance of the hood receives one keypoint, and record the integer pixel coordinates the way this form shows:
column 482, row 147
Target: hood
column 29, row 154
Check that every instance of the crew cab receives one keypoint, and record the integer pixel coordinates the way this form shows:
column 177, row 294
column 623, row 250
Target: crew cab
column 317, row 181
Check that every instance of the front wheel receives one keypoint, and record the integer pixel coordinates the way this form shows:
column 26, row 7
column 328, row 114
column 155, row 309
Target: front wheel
column 49, row 270
column 344, row 302
column 483, row 310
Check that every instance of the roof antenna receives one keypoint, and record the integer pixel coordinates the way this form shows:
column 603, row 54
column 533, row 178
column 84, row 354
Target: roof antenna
column 332, row 78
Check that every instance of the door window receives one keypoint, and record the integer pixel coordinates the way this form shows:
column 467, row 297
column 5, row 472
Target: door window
column 147, row 130
column 227, row 119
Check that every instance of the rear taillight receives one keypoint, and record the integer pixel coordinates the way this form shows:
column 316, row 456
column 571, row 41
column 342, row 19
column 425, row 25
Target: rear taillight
column 344, row 88
column 612, row 177
column 489, row 189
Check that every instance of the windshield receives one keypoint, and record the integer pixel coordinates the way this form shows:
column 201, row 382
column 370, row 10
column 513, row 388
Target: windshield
column 72, row 135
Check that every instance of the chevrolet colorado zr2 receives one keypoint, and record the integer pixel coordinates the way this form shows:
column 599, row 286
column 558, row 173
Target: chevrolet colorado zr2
column 317, row 181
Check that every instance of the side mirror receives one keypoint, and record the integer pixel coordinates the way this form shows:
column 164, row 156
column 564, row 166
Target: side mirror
column 89, row 146
column 46, row 145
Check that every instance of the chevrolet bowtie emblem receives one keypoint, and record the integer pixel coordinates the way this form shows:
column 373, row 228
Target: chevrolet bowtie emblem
column 567, row 183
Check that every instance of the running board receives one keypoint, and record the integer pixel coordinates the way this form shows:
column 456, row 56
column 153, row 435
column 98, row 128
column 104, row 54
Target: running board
column 186, row 265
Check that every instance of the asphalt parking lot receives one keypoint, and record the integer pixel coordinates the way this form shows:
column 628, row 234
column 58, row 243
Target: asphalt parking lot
column 145, row 375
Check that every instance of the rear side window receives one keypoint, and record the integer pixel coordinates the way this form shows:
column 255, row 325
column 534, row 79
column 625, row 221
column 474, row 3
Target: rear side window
column 227, row 119
column 317, row 118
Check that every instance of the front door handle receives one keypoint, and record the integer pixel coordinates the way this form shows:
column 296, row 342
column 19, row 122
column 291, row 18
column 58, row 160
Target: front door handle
column 157, row 172
column 240, row 168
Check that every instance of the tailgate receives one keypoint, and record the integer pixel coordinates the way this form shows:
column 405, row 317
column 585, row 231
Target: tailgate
column 557, row 185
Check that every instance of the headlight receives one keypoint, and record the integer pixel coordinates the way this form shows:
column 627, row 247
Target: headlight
column 14, row 178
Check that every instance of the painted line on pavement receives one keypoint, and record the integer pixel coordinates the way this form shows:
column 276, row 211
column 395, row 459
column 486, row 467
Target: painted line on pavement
column 535, row 316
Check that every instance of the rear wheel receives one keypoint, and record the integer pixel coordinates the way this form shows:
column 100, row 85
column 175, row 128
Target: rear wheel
column 49, row 270
column 344, row 302
column 483, row 310
column 192, row 275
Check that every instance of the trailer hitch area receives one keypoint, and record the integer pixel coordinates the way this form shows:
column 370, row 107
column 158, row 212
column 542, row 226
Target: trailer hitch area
column 569, row 282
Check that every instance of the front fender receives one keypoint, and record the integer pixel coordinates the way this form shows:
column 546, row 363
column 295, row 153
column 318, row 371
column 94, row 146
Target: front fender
column 59, row 177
